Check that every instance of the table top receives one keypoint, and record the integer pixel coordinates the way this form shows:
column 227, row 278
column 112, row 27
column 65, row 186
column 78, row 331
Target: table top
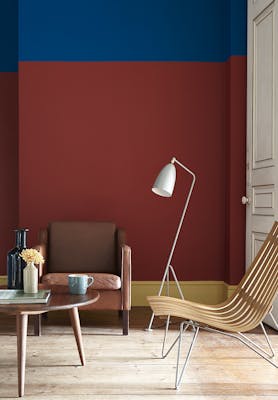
column 60, row 299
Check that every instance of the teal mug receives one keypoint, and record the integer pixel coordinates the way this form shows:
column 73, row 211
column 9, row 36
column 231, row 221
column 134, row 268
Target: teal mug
column 78, row 283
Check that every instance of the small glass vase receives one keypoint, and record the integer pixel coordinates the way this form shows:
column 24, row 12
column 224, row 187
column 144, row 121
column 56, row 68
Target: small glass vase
column 30, row 278
column 15, row 263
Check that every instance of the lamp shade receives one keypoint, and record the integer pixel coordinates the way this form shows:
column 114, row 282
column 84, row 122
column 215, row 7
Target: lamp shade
column 165, row 181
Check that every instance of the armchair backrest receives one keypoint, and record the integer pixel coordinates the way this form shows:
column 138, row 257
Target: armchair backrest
column 83, row 246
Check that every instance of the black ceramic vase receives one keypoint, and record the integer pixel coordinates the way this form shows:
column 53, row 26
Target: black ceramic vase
column 15, row 263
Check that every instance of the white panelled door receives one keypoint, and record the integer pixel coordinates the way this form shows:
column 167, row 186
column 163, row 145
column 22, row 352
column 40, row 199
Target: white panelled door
column 262, row 126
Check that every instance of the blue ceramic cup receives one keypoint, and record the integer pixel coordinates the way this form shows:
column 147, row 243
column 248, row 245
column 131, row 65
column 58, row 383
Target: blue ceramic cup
column 78, row 283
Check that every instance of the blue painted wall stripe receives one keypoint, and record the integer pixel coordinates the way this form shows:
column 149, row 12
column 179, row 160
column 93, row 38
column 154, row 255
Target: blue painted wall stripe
column 8, row 35
column 130, row 30
column 238, row 27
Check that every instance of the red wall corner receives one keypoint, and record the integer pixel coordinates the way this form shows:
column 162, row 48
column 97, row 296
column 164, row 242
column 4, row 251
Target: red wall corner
column 8, row 163
column 236, row 169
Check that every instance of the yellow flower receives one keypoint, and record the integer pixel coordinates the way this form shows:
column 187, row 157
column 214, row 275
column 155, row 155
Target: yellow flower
column 32, row 255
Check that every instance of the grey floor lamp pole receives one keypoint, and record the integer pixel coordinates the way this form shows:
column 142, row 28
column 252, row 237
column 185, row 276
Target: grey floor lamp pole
column 164, row 186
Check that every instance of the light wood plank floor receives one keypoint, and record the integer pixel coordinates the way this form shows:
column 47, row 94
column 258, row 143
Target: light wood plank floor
column 128, row 367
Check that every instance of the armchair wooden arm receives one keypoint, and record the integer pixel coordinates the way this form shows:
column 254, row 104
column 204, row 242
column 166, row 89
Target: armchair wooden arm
column 41, row 248
column 126, row 286
column 126, row 277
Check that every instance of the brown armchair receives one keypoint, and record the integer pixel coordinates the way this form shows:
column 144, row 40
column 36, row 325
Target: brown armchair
column 95, row 248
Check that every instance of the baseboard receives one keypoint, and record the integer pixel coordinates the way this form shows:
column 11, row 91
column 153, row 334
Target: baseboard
column 230, row 289
column 208, row 292
column 3, row 280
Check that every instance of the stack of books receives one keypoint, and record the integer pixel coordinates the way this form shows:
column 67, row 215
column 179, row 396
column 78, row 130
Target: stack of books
column 11, row 296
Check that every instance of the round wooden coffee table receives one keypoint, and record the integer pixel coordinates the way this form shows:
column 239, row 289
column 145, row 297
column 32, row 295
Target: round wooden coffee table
column 60, row 299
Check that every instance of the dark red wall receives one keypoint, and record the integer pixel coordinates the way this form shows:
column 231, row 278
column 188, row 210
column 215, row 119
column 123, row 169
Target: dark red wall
column 93, row 136
column 8, row 127
column 95, row 129
column 8, row 163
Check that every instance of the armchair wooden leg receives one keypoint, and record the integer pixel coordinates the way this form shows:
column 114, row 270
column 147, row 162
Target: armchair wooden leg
column 125, row 322
column 45, row 316
column 38, row 325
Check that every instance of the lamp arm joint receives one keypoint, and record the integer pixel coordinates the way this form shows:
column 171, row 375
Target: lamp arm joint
column 174, row 160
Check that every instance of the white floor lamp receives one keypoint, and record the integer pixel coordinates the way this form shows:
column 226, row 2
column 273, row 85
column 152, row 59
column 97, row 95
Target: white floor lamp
column 164, row 186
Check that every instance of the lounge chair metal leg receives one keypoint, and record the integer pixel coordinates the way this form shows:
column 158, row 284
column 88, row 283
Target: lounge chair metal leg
column 260, row 353
column 196, row 327
column 165, row 338
column 272, row 354
column 268, row 340
column 245, row 340
column 179, row 378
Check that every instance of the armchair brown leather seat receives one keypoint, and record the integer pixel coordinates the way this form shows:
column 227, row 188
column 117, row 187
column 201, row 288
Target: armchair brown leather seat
column 95, row 248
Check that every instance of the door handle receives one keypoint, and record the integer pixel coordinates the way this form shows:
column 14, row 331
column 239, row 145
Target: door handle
column 245, row 200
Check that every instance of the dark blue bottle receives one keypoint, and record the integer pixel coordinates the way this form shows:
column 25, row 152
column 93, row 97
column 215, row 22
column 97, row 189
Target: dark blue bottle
column 15, row 263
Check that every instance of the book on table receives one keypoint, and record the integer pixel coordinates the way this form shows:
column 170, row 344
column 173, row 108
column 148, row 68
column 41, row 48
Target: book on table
column 14, row 296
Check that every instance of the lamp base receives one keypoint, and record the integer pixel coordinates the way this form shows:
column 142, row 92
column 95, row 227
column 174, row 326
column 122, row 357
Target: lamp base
column 166, row 281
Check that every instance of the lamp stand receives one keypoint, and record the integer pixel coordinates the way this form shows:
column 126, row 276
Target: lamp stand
column 169, row 268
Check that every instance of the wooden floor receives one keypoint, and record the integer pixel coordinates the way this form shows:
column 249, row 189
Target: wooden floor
column 129, row 367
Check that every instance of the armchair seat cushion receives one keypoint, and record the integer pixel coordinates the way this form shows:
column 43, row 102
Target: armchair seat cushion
column 102, row 281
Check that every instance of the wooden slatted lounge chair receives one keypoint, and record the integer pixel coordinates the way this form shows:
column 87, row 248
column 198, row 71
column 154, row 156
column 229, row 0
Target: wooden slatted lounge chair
column 242, row 312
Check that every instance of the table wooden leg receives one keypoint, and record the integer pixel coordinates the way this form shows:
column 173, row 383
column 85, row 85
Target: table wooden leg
column 75, row 323
column 21, row 330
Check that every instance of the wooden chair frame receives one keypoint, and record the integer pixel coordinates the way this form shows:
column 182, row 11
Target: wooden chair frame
column 242, row 312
